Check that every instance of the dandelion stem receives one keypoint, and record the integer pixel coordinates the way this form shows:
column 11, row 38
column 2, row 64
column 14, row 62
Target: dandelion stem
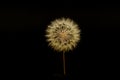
column 64, row 63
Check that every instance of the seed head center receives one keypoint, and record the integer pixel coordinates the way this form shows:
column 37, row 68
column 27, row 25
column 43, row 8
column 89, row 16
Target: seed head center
column 63, row 35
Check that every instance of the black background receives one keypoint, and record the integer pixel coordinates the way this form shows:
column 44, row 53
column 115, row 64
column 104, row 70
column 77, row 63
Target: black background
column 25, row 53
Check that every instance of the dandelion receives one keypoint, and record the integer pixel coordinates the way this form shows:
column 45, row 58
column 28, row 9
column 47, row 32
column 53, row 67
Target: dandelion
column 63, row 35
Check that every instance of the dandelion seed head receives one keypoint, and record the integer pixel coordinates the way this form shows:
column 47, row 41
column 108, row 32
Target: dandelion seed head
column 63, row 34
